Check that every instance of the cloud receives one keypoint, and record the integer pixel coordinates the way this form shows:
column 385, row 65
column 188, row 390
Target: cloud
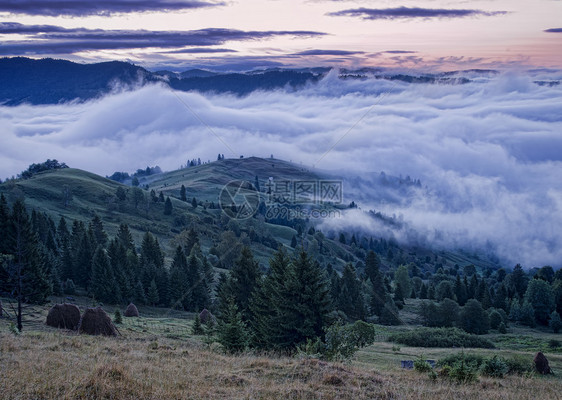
column 74, row 8
column 49, row 39
column 486, row 152
column 554, row 30
column 328, row 53
column 197, row 50
column 413, row 12
column 399, row 52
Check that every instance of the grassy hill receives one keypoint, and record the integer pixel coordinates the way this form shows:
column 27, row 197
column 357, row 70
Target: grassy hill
column 94, row 195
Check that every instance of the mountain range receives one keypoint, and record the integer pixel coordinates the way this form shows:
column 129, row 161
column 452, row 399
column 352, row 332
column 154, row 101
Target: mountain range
column 48, row 81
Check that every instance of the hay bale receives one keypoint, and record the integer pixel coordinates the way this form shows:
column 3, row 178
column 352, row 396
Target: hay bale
column 131, row 311
column 64, row 316
column 541, row 364
column 95, row 321
column 206, row 317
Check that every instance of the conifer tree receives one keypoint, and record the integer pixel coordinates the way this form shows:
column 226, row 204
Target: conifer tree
column 103, row 285
column 183, row 196
column 168, row 207
column 232, row 332
column 153, row 297
column 304, row 314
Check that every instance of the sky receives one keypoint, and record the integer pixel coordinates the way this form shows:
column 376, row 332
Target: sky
column 248, row 34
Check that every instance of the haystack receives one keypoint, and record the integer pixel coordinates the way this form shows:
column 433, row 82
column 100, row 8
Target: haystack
column 95, row 321
column 206, row 317
column 64, row 316
column 541, row 364
column 131, row 311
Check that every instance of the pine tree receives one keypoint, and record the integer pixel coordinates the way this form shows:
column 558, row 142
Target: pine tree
column 103, row 285
column 265, row 304
column 294, row 242
column 232, row 331
column 402, row 276
column 518, row 280
column 372, row 266
column 183, row 196
column 242, row 282
column 351, row 297
column 168, row 207
column 197, row 328
column 194, row 202
column 99, row 233
column 153, row 298
column 304, row 314
column 178, row 280
column 460, row 291
column 540, row 296
column 423, row 291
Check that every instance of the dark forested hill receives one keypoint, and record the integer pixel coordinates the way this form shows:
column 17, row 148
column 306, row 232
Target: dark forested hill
column 48, row 81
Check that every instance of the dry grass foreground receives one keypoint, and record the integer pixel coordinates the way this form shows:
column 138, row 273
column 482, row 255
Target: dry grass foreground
column 47, row 365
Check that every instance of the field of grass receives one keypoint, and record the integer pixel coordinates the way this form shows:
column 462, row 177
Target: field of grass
column 157, row 357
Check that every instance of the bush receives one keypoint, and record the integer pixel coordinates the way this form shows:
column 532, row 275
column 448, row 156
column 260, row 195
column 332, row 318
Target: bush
column 117, row 318
column 555, row 322
column 502, row 329
column 421, row 365
column 554, row 343
column 342, row 341
column 519, row 365
column 463, row 372
column 452, row 359
column 68, row 287
column 495, row 367
column 473, row 318
column 495, row 319
column 439, row 337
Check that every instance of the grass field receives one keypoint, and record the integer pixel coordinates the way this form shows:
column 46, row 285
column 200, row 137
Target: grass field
column 157, row 357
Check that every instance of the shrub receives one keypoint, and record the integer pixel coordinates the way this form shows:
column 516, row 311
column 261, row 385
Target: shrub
column 473, row 318
column 495, row 319
column 463, row 372
column 117, row 318
column 554, row 343
column 555, row 322
column 439, row 337
column 495, row 367
column 197, row 328
column 445, row 371
column 502, row 329
column 475, row 359
column 68, row 287
column 421, row 365
column 364, row 333
column 518, row 365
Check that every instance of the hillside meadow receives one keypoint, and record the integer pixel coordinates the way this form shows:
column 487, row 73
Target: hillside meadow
column 157, row 357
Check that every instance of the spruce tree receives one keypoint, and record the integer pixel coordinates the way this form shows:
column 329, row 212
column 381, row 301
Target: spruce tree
column 103, row 285
column 153, row 297
column 351, row 298
column 304, row 314
column 178, row 280
column 183, row 196
column 168, row 207
column 243, row 280
column 232, row 332
column 372, row 266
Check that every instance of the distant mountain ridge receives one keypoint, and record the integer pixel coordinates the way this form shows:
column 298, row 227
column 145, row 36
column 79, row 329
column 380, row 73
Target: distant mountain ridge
column 49, row 81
